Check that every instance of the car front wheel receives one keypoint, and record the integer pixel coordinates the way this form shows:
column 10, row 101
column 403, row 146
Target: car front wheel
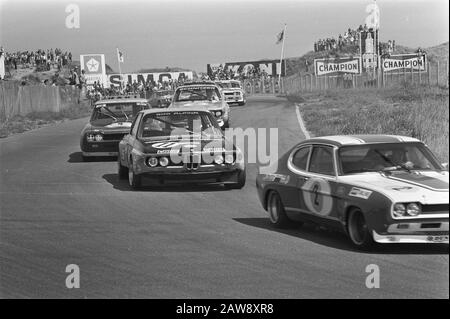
column 134, row 180
column 358, row 229
column 122, row 171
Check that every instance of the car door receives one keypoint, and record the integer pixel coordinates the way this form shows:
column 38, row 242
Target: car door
column 317, row 187
column 297, row 164
column 129, row 139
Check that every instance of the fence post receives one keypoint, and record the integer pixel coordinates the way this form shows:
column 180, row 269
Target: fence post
column 437, row 73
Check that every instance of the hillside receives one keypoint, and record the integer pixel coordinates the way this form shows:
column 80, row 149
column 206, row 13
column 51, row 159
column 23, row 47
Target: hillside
column 298, row 64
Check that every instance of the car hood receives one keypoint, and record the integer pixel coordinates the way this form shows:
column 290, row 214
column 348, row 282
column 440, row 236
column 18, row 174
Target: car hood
column 166, row 146
column 202, row 104
column 426, row 187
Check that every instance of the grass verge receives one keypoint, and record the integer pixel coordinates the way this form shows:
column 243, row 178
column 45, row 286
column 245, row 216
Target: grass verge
column 420, row 112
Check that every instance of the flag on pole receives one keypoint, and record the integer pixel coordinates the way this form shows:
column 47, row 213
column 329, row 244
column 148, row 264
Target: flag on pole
column 280, row 37
column 119, row 56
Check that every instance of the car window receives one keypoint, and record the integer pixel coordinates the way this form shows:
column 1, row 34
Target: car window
column 300, row 158
column 322, row 160
column 135, row 124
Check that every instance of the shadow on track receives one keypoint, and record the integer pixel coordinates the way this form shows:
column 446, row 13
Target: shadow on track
column 123, row 185
column 338, row 240
column 76, row 157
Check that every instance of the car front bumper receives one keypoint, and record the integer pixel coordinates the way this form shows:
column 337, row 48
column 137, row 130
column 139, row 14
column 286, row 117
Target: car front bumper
column 429, row 231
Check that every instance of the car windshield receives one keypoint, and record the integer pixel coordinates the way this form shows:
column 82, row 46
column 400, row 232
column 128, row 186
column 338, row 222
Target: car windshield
column 386, row 157
column 197, row 93
column 164, row 93
column 178, row 124
column 117, row 111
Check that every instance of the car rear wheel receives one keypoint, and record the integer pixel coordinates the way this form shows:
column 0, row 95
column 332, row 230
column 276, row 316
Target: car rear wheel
column 240, row 181
column 275, row 208
column 358, row 230
column 134, row 180
column 122, row 171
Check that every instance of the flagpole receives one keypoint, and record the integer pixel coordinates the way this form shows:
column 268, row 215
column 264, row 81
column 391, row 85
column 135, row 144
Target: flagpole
column 282, row 54
column 120, row 70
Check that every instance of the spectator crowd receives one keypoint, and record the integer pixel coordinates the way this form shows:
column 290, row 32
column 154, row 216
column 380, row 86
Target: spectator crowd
column 249, row 73
column 41, row 59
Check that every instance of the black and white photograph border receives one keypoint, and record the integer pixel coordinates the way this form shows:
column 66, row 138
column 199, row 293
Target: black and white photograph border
column 224, row 154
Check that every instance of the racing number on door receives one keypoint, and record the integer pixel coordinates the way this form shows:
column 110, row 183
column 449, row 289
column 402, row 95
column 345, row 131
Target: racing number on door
column 317, row 196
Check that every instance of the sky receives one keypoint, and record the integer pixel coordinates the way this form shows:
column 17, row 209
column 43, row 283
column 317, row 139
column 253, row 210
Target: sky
column 192, row 33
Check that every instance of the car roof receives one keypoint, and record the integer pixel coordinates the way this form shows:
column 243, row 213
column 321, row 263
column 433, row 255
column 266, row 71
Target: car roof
column 343, row 140
column 200, row 83
column 175, row 110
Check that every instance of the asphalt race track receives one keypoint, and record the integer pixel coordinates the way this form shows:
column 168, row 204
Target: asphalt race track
column 177, row 242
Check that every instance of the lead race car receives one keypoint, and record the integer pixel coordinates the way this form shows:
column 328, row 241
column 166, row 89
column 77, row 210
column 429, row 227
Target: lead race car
column 110, row 120
column 377, row 188
column 179, row 146
column 206, row 95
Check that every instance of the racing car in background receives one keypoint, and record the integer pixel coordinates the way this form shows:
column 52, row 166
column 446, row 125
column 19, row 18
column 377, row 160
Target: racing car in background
column 377, row 188
column 110, row 121
column 179, row 146
column 232, row 91
column 205, row 95
column 161, row 98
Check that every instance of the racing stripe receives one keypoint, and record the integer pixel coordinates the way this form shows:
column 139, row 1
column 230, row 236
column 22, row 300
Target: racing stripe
column 431, row 183
column 377, row 138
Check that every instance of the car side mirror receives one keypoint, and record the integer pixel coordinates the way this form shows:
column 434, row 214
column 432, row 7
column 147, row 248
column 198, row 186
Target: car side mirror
column 445, row 165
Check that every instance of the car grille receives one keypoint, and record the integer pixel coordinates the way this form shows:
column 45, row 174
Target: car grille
column 113, row 137
column 435, row 209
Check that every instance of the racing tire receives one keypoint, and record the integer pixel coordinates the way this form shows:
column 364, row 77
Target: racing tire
column 358, row 230
column 241, row 103
column 122, row 171
column 134, row 180
column 277, row 214
column 226, row 125
column 240, row 181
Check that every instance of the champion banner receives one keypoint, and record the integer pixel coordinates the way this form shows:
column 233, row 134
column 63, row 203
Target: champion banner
column 146, row 78
column 338, row 66
column 271, row 67
column 405, row 62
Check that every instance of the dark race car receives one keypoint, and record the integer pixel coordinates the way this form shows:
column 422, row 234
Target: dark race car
column 179, row 146
column 110, row 121
column 161, row 99
column 377, row 188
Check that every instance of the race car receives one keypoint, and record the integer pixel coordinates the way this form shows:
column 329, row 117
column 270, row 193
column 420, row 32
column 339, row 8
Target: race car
column 179, row 146
column 233, row 92
column 161, row 98
column 110, row 120
column 377, row 188
column 206, row 95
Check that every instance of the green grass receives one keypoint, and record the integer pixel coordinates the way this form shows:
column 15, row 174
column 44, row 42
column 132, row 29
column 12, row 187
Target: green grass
column 411, row 111
column 19, row 124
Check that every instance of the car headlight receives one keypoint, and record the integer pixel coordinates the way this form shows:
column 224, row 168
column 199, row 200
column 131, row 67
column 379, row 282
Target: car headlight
column 218, row 113
column 229, row 158
column 399, row 210
column 90, row 137
column 164, row 161
column 218, row 159
column 98, row 137
column 152, row 161
column 413, row 209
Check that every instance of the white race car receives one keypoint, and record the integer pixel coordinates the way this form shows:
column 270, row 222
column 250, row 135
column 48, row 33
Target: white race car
column 233, row 91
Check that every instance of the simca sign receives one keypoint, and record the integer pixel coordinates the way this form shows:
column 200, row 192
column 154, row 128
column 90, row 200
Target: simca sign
column 405, row 62
column 337, row 66
column 146, row 78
